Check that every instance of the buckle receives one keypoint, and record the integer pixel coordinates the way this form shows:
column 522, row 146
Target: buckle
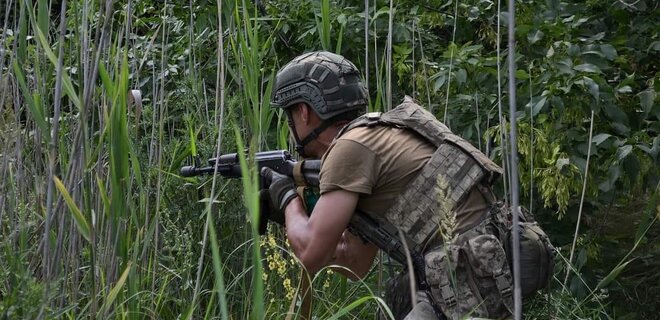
column 448, row 295
column 503, row 283
column 372, row 118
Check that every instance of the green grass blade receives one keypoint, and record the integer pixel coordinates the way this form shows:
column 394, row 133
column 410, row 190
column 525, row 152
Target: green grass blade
column 192, row 134
column 324, row 27
column 613, row 274
column 251, row 196
column 114, row 292
column 217, row 269
column 66, row 80
column 67, row 85
column 43, row 14
column 345, row 310
column 340, row 37
column 106, row 80
column 104, row 195
column 21, row 53
column 35, row 110
column 78, row 217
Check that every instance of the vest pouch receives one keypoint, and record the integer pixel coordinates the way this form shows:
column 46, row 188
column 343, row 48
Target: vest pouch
column 536, row 257
column 488, row 262
column 452, row 283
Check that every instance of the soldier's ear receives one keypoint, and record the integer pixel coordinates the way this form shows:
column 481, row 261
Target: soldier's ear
column 304, row 110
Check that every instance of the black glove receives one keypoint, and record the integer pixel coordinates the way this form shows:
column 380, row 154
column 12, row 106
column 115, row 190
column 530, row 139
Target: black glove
column 281, row 189
column 267, row 212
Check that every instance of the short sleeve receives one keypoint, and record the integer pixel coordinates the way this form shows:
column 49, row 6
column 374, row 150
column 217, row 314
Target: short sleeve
column 350, row 166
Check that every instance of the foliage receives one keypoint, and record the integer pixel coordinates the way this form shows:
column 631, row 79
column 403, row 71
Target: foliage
column 95, row 220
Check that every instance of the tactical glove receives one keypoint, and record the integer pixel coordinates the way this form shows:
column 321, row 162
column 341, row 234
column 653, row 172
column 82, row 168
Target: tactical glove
column 267, row 212
column 281, row 189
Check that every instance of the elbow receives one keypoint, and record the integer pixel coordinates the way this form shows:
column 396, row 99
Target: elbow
column 308, row 256
column 311, row 261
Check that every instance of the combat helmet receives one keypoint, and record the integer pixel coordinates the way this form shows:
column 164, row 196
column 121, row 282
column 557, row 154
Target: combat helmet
column 329, row 83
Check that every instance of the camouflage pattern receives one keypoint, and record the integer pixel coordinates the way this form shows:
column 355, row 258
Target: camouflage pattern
column 471, row 276
column 416, row 212
column 327, row 82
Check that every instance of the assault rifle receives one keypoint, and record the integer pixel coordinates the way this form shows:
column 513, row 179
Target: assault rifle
column 306, row 174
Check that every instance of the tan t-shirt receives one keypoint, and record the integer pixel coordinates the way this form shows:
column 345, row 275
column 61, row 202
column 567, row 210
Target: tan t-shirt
column 378, row 163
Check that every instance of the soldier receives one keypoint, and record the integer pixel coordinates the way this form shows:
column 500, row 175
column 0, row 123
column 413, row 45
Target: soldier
column 405, row 170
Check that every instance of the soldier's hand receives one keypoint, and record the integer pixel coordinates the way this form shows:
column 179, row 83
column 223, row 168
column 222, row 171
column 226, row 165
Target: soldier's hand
column 281, row 188
column 267, row 212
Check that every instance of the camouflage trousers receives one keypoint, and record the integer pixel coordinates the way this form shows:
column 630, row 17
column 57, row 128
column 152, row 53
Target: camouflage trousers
column 469, row 277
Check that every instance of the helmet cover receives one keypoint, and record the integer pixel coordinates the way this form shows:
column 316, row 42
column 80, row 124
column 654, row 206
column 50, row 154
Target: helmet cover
column 329, row 83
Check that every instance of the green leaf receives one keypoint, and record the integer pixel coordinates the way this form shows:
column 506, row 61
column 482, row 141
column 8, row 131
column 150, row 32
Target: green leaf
column 522, row 74
column 439, row 82
column 587, row 67
column 613, row 175
column 104, row 197
column 562, row 162
column 593, row 53
column 646, row 99
column 342, row 19
column 596, row 37
column 609, row 51
column 461, row 76
column 631, row 167
column 473, row 13
column 381, row 11
column 623, row 152
column 110, row 299
column 33, row 106
column 655, row 46
column 66, row 81
column 535, row 36
column 81, row 222
column 538, row 106
column 358, row 302
column 613, row 112
column 573, row 50
column 600, row 138
column 624, row 89
column 613, row 274
column 594, row 89
column 105, row 79
column 565, row 66
column 550, row 52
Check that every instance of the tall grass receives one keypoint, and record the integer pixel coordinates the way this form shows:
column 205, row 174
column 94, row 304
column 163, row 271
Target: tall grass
column 95, row 221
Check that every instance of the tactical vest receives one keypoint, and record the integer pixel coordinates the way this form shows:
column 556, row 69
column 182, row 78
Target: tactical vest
column 410, row 229
column 455, row 168
column 475, row 256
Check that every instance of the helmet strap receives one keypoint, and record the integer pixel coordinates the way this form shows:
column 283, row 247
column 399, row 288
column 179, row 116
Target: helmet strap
column 300, row 147
column 300, row 144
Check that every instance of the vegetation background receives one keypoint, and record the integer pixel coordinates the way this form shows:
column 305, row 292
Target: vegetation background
column 101, row 102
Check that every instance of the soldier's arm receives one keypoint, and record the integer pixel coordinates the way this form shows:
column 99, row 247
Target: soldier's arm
column 353, row 256
column 315, row 239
